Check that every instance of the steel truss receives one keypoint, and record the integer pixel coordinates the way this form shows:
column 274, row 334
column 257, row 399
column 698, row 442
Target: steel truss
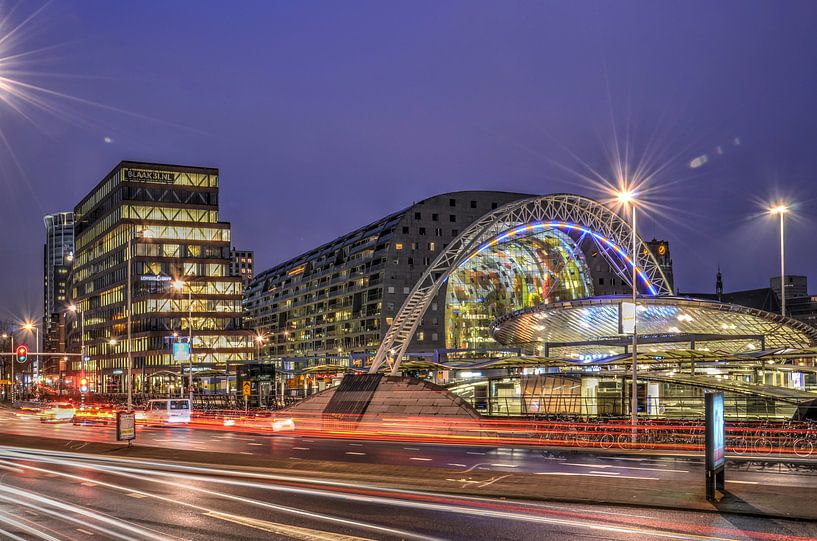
column 567, row 208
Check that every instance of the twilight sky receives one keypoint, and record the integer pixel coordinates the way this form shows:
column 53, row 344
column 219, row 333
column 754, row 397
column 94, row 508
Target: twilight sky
column 323, row 116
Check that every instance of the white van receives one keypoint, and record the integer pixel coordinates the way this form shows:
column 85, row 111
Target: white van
column 168, row 411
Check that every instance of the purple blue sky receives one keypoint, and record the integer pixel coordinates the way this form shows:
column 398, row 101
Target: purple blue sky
column 323, row 116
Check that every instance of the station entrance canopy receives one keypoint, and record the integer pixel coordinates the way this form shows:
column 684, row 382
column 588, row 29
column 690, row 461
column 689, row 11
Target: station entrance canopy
column 587, row 330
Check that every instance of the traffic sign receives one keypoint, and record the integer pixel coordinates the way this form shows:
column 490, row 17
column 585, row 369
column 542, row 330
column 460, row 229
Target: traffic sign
column 246, row 389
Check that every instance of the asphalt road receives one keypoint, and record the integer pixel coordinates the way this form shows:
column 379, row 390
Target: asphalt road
column 646, row 467
column 71, row 496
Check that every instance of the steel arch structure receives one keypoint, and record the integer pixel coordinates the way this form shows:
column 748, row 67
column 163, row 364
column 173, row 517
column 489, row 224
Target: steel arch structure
column 561, row 208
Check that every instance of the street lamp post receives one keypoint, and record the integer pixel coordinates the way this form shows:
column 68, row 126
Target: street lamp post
column 142, row 233
column 75, row 309
column 179, row 285
column 129, row 382
column 259, row 340
column 30, row 326
column 628, row 198
column 781, row 210
column 13, row 360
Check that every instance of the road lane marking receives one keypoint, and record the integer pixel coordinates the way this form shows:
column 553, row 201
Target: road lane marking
column 86, row 532
column 457, row 465
column 505, row 465
column 255, row 444
column 354, row 453
column 356, row 445
column 474, row 453
column 300, row 448
column 420, row 458
column 494, row 480
column 88, row 484
column 595, row 475
column 245, row 452
column 601, row 466
column 606, row 472
column 411, row 448
column 136, row 495
column 743, row 482
column 293, row 532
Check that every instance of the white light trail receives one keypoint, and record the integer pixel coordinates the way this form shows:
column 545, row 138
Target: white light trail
column 139, row 474
column 173, row 479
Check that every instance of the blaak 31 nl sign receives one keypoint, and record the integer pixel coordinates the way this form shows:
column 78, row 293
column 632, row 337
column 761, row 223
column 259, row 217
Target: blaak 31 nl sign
column 142, row 175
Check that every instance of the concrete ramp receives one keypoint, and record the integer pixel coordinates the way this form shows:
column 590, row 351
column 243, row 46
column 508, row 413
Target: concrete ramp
column 373, row 398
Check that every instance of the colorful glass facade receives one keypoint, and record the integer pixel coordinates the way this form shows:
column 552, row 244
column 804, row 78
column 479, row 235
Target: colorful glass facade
column 508, row 274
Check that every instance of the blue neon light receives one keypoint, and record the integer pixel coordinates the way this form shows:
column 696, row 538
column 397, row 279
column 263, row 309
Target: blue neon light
column 567, row 226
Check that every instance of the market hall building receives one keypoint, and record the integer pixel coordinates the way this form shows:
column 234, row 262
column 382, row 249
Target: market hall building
column 334, row 303
column 531, row 328
column 168, row 215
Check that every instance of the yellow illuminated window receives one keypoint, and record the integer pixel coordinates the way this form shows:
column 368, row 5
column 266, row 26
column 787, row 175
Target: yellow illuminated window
column 399, row 245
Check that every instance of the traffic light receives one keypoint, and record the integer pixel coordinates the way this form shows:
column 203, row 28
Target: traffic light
column 22, row 354
column 83, row 385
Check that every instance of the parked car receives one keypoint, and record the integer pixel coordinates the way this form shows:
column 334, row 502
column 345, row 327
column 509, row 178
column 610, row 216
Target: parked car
column 166, row 411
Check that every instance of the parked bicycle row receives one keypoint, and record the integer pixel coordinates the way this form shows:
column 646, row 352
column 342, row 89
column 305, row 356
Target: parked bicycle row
column 756, row 438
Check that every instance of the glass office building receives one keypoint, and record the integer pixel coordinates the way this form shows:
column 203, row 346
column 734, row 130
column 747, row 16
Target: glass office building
column 169, row 216
column 58, row 256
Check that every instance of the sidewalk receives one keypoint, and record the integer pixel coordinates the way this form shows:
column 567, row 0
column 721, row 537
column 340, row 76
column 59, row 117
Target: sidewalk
column 784, row 501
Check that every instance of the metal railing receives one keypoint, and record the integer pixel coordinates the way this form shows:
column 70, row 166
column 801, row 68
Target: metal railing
column 669, row 407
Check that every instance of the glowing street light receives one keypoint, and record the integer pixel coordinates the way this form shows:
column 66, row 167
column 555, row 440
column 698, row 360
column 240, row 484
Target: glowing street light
column 781, row 210
column 31, row 326
column 625, row 197
column 259, row 341
column 628, row 197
